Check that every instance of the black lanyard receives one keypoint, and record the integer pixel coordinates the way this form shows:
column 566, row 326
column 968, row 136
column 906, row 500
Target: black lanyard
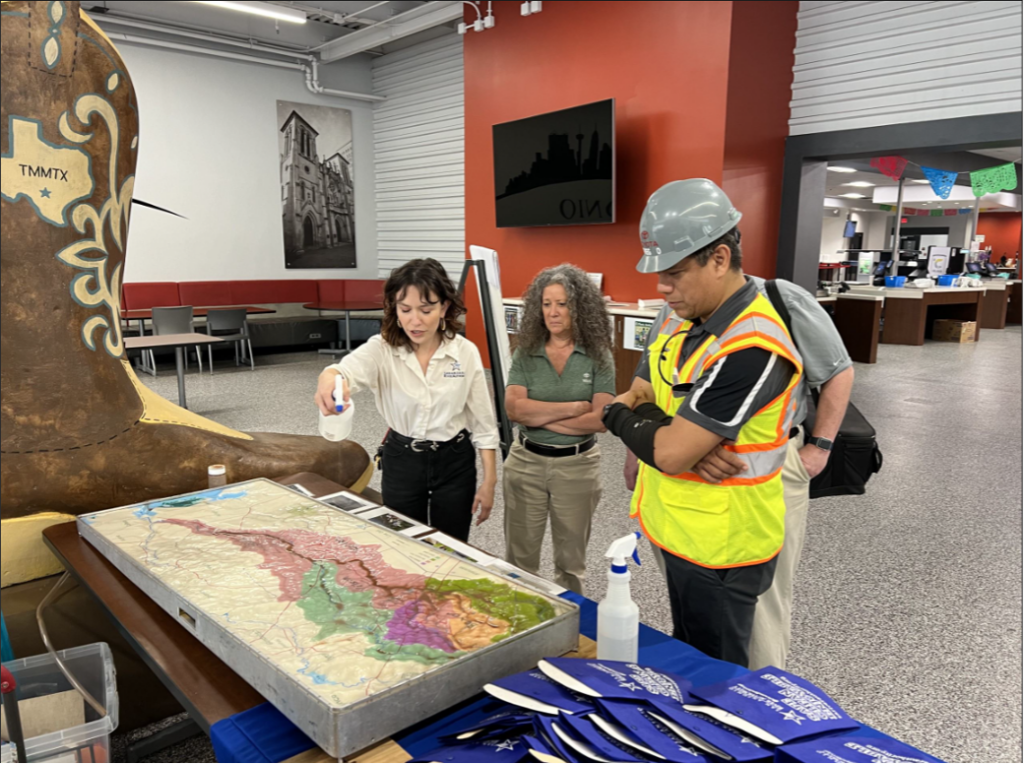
column 679, row 389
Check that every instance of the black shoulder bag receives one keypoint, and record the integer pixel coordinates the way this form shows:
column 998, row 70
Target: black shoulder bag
column 855, row 454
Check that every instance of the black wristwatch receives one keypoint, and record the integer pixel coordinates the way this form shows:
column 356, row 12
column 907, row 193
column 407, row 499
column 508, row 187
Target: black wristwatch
column 823, row 443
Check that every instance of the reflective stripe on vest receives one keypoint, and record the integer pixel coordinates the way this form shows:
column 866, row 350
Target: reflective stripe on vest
column 739, row 521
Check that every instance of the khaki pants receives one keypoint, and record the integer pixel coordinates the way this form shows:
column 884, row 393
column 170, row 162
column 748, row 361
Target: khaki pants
column 769, row 640
column 770, row 637
column 566, row 488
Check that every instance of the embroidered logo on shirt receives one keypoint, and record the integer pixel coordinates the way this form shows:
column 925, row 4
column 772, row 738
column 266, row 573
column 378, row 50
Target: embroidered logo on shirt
column 456, row 371
column 586, row 376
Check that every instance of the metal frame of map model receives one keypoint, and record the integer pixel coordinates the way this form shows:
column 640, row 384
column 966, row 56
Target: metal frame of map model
column 306, row 602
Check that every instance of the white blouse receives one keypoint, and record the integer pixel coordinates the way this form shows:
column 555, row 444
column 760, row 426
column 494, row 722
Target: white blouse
column 450, row 397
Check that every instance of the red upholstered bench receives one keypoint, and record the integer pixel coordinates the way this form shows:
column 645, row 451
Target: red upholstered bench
column 151, row 294
column 290, row 324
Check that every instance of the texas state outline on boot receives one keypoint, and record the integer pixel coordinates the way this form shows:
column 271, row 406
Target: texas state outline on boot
column 78, row 431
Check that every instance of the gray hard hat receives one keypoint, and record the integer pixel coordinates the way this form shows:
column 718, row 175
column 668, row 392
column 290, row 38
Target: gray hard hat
column 680, row 219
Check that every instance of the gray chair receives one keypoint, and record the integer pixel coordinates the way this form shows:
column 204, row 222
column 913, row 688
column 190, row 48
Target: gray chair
column 174, row 320
column 229, row 325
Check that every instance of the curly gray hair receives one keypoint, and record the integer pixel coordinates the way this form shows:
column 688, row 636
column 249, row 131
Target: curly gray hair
column 591, row 327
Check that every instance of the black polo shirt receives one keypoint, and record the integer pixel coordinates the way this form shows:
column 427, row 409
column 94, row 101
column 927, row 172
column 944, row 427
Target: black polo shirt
column 736, row 387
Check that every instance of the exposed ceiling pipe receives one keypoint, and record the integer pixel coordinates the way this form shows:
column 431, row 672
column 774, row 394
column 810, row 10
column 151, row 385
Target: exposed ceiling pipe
column 311, row 70
column 314, row 86
column 249, row 45
column 355, row 17
column 397, row 17
column 138, row 40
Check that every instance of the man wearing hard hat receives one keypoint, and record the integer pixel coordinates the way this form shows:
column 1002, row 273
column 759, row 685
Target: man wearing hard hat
column 724, row 369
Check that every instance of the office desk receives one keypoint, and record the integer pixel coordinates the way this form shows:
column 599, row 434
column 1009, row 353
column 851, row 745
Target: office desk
column 1014, row 302
column 858, row 319
column 908, row 312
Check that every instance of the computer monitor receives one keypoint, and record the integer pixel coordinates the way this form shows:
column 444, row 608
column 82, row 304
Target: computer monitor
column 883, row 267
column 973, row 268
column 991, row 270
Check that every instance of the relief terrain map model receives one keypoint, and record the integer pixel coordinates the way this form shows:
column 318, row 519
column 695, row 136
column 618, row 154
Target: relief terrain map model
column 345, row 607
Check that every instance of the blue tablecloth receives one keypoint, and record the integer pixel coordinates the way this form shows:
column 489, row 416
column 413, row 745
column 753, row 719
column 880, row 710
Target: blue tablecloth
column 264, row 734
column 6, row 654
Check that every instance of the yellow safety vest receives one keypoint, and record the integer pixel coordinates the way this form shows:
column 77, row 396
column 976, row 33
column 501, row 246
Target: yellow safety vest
column 739, row 521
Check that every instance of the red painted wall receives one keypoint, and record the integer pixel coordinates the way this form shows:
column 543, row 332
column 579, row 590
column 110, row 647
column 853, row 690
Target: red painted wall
column 695, row 95
column 1002, row 232
column 757, row 123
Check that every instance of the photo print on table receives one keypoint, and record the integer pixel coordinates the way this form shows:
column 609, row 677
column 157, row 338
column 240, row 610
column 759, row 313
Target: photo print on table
column 446, row 543
column 349, row 502
column 388, row 518
column 317, row 185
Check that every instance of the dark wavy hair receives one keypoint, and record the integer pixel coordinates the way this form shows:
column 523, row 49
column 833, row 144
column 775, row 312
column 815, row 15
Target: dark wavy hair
column 591, row 328
column 432, row 280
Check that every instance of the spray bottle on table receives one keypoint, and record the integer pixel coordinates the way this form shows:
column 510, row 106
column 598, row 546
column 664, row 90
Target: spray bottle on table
column 338, row 426
column 618, row 617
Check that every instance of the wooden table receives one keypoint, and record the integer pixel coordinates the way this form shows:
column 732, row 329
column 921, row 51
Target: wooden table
column 346, row 307
column 205, row 686
column 858, row 318
column 177, row 341
column 908, row 312
column 1015, row 302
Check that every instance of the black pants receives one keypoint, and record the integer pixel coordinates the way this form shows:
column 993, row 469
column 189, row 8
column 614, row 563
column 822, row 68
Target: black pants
column 713, row 608
column 435, row 487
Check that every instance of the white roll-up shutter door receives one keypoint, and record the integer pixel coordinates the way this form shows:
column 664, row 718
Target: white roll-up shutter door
column 419, row 145
column 867, row 64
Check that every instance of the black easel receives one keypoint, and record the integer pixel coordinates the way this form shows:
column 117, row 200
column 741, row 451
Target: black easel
column 497, row 375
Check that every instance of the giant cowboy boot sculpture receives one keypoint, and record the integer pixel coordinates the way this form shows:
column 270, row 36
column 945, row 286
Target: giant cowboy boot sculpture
column 79, row 431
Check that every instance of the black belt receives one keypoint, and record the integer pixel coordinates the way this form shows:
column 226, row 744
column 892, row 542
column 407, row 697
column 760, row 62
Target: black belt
column 426, row 445
column 556, row 451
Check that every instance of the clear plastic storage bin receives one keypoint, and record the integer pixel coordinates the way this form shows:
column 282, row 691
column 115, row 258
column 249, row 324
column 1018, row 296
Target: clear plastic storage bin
column 93, row 667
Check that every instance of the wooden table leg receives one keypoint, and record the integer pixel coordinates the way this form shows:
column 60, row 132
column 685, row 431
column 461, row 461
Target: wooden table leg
column 857, row 322
column 1015, row 304
column 993, row 309
column 905, row 320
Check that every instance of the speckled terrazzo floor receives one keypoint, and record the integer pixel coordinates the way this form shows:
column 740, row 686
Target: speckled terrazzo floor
column 908, row 604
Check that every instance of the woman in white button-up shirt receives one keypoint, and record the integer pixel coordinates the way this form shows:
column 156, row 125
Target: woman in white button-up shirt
column 429, row 385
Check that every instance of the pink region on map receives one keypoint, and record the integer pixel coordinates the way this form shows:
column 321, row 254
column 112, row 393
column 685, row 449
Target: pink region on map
column 289, row 554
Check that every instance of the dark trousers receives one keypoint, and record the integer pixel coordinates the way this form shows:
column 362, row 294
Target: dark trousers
column 436, row 487
column 713, row 608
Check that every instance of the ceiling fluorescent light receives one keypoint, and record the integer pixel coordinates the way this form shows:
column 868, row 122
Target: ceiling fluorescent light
column 916, row 180
column 266, row 10
column 860, row 184
column 853, row 196
column 833, row 168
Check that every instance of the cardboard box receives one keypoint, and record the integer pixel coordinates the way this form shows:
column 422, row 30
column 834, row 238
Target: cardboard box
column 951, row 330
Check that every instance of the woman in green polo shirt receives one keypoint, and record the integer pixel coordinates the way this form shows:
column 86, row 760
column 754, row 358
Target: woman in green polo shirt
column 562, row 377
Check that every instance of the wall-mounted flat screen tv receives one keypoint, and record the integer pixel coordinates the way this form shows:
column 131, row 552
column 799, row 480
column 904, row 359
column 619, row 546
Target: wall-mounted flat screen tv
column 556, row 168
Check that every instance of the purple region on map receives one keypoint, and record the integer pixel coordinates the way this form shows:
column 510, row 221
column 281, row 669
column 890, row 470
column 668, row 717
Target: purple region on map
column 403, row 629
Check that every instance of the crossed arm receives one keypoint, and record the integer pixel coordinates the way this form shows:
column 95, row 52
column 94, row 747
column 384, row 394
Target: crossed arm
column 568, row 418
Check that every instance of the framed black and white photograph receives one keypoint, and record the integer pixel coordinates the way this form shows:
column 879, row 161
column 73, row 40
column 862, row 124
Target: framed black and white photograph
column 317, row 185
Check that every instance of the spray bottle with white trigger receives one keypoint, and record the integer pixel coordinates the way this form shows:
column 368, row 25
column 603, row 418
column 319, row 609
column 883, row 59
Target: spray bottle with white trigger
column 618, row 617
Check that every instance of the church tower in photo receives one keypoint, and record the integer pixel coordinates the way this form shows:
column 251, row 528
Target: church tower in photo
column 316, row 196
